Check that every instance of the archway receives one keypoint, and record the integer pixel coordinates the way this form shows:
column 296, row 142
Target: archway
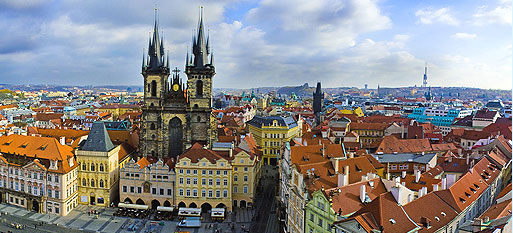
column 205, row 207
column 181, row 204
column 242, row 204
column 175, row 137
column 193, row 205
column 92, row 198
column 128, row 201
column 234, row 203
column 139, row 202
column 35, row 206
column 167, row 204
column 154, row 204
column 220, row 205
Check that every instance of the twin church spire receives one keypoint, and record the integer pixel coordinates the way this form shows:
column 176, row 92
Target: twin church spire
column 157, row 61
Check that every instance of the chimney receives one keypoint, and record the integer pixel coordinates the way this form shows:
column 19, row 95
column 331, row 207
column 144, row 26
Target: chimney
column 397, row 193
column 468, row 159
column 450, row 159
column 364, row 177
column 397, row 180
column 444, row 183
column 346, row 171
column 435, row 187
column 460, row 151
column 362, row 193
column 417, row 175
column 343, row 180
column 403, row 174
column 334, row 162
column 420, row 193
column 351, row 154
column 62, row 140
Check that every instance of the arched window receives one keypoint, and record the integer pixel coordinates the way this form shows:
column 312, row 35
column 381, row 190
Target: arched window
column 153, row 136
column 153, row 88
column 84, row 183
column 198, row 118
column 152, row 126
column 84, row 167
column 92, row 167
column 101, row 183
column 199, row 88
column 92, row 183
column 101, row 167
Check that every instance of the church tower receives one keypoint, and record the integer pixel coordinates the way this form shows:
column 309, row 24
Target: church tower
column 164, row 129
column 200, row 71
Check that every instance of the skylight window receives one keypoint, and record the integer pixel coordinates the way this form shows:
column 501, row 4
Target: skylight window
column 392, row 221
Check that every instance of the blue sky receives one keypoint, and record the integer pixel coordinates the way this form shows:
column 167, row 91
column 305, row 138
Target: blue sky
column 263, row 42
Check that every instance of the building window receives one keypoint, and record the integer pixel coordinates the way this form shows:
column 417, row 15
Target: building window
column 84, row 167
column 210, row 182
column 125, row 188
column 132, row 189
column 320, row 222
column 154, row 191
column 209, row 193
column 49, row 177
column 225, row 193
column 203, row 181
column 181, row 171
column 225, row 182
column 218, row 181
column 195, row 172
column 161, row 192
column 195, row 181
column 218, row 172
column 218, row 193
column 188, row 193
column 101, row 183
column 180, row 192
column 195, row 192
column 245, row 189
column 235, row 189
column 210, row 172
column 180, row 181
column 57, row 194
column 245, row 169
column 225, row 173
column 188, row 181
column 84, row 183
column 49, row 193
column 92, row 183
column 203, row 172
column 101, row 167
column 139, row 189
column 203, row 193
column 245, row 178
column 169, row 192
column 187, row 171
column 199, row 88
column 92, row 167
column 235, row 178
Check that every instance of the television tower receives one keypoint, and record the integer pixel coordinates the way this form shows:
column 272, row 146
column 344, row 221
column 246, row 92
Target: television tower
column 424, row 83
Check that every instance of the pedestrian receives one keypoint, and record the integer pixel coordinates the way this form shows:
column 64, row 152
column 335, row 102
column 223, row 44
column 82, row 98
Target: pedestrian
column 89, row 213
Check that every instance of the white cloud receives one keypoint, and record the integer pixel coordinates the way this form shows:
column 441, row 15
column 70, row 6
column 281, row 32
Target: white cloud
column 463, row 35
column 430, row 15
column 499, row 15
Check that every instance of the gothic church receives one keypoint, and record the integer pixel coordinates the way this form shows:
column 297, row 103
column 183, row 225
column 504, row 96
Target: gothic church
column 177, row 115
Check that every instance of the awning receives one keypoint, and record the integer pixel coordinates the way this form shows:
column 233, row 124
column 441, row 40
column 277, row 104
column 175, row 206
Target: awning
column 165, row 208
column 133, row 206
column 217, row 212
column 189, row 211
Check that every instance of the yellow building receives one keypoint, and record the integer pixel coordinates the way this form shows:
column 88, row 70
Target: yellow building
column 118, row 109
column 368, row 132
column 357, row 111
column 224, row 177
column 271, row 132
column 99, row 165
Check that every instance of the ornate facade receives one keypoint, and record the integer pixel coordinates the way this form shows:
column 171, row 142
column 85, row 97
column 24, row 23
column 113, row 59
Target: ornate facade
column 176, row 115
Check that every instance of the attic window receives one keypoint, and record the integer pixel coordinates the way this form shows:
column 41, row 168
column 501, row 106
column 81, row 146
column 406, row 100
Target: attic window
column 392, row 221
column 462, row 200
column 24, row 145
column 43, row 147
column 8, row 143
column 473, row 190
column 443, row 214
column 467, row 194
column 437, row 219
column 357, row 168
column 477, row 186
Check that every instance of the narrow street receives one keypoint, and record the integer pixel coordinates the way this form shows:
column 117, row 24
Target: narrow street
column 265, row 206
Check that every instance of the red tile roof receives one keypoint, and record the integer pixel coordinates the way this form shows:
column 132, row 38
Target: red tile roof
column 391, row 144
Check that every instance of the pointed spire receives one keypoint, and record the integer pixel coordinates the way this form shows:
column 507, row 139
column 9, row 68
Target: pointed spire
column 187, row 57
column 143, row 60
column 167, row 59
column 212, row 58
column 208, row 41
column 156, row 60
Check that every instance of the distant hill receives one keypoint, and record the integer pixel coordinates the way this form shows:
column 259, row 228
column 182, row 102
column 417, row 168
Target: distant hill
column 303, row 90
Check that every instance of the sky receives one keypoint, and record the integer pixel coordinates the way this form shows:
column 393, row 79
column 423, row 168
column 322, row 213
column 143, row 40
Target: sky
column 260, row 43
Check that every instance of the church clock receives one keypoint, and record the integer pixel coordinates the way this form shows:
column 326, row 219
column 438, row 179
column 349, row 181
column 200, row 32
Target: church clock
column 176, row 87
